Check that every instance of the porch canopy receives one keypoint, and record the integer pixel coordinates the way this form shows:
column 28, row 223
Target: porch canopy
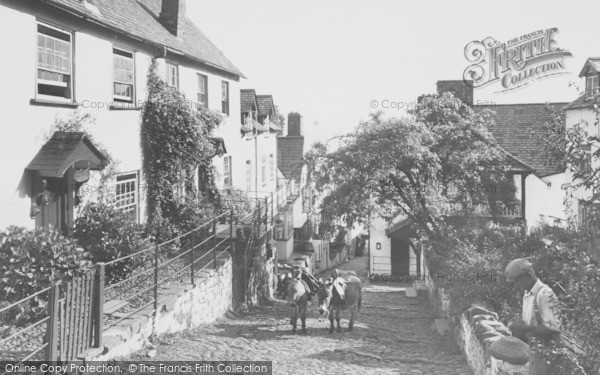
column 62, row 151
column 402, row 229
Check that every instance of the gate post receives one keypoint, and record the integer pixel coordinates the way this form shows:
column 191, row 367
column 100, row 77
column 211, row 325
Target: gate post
column 52, row 327
column 98, row 304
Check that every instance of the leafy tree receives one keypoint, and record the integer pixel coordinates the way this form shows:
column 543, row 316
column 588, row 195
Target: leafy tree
column 564, row 146
column 420, row 166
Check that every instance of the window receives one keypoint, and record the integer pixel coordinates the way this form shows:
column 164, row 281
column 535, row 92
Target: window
column 172, row 77
column 227, row 171
column 248, row 175
column 126, row 198
column 203, row 90
column 263, row 167
column 272, row 166
column 585, row 163
column 178, row 192
column 55, row 63
column 123, row 75
column 284, row 225
column 591, row 86
column 225, row 97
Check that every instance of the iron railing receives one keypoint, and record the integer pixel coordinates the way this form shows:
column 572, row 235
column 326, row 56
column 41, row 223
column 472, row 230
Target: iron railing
column 176, row 261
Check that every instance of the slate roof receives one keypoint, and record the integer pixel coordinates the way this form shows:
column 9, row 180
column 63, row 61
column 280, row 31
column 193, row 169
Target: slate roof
column 591, row 63
column 248, row 100
column 265, row 104
column 62, row 150
column 581, row 102
column 139, row 19
column 290, row 152
column 518, row 129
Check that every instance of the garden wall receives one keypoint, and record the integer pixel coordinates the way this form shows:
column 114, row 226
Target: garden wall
column 181, row 307
column 486, row 343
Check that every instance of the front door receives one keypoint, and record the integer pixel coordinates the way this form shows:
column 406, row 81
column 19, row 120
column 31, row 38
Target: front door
column 400, row 258
column 57, row 206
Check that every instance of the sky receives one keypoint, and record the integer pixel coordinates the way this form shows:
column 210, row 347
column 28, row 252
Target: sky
column 337, row 61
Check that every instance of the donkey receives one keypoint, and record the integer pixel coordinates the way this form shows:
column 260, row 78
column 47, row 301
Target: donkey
column 342, row 293
column 298, row 295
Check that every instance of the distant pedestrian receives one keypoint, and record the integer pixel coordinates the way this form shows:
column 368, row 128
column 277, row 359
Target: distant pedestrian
column 541, row 317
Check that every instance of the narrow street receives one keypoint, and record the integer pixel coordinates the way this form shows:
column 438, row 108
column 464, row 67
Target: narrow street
column 392, row 335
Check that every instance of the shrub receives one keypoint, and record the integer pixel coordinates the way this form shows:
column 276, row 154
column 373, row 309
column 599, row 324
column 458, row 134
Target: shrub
column 237, row 201
column 180, row 218
column 108, row 234
column 566, row 259
column 31, row 261
column 468, row 263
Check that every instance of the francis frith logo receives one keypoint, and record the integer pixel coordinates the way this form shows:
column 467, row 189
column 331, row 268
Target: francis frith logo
column 514, row 63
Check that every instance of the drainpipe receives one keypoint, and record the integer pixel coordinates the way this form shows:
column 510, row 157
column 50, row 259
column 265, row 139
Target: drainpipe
column 255, row 133
column 369, row 247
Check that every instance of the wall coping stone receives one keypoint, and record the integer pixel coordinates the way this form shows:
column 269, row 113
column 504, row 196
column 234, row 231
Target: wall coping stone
column 511, row 350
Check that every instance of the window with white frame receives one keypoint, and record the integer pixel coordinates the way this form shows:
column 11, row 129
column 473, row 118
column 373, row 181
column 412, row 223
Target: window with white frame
column 127, row 194
column 272, row 166
column 591, row 86
column 225, row 97
column 248, row 175
column 123, row 75
column 172, row 77
column 203, row 90
column 54, row 63
column 227, row 176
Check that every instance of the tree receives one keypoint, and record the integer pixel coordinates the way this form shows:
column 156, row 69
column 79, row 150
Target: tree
column 566, row 146
column 417, row 166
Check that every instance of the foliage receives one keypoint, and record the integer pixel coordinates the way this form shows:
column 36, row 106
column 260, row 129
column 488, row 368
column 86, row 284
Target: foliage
column 108, row 233
column 280, row 116
column 31, row 261
column 566, row 259
column 564, row 146
column 415, row 166
column 237, row 201
column 175, row 144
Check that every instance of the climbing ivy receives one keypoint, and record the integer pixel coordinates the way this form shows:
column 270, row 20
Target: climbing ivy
column 175, row 143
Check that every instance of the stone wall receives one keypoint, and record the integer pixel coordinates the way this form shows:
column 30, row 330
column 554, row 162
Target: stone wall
column 486, row 343
column 180, row 307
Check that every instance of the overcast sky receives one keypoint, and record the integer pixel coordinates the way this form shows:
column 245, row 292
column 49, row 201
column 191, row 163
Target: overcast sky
column 329, row 59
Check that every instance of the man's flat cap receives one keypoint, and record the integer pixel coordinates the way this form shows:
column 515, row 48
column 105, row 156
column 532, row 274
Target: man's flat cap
column 517, row 268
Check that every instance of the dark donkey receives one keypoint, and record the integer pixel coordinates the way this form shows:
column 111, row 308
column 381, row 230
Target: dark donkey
column 342, row 293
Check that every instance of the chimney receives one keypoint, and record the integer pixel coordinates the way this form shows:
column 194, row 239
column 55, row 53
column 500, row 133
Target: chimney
column 295, row 125
column 461, row 89
column 172, row 14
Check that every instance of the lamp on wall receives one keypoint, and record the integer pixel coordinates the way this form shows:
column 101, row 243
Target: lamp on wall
column 378, row 245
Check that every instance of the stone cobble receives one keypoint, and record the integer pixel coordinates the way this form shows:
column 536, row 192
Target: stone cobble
column 392, row 335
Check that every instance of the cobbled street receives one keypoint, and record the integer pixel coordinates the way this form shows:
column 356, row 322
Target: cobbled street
column 392, row 335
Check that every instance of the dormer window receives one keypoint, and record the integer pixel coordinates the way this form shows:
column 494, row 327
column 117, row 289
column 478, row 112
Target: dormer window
column 591, row 86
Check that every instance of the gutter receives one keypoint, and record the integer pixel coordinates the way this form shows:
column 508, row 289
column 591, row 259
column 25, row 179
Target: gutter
column 85, row 17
